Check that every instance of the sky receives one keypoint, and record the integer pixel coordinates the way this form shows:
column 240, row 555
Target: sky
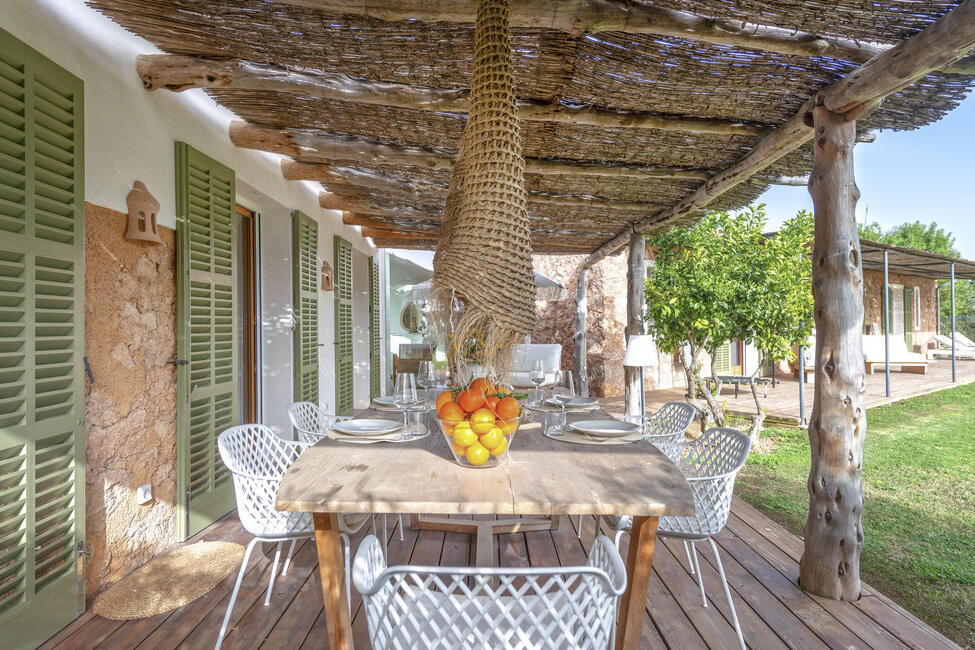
column 924, row 175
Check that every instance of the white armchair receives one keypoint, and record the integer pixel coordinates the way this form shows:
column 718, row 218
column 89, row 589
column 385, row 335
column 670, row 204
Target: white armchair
column 526, row 354
column 444, row 608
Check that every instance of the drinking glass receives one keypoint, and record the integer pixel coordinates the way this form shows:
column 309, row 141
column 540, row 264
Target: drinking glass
column 537, row 377
column 424, row 376
column 563, row 392
column 404, row 393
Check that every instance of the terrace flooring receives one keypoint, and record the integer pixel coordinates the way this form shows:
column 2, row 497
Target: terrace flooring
column 760, row 558
column 783, row 400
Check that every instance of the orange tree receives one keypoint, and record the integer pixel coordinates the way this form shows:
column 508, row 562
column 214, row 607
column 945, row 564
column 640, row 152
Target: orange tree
column 723, row 279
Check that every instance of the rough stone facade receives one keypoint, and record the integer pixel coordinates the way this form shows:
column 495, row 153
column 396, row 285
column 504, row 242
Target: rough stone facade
column 605, row 323
column 873, row 283
column 130, row 333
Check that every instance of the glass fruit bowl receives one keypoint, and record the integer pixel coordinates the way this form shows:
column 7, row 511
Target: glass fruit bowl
column 480, row 440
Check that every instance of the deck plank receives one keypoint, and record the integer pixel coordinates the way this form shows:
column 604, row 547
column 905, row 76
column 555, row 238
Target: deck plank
column 760, row 558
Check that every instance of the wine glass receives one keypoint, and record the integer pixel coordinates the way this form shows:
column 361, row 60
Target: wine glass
column 537, row 377
column 424, row 376
column 404, row 393
column 562, row 393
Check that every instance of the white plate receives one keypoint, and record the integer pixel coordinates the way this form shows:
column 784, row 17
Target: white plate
column 366, row 427
column 388, row 400
column 605, row 428
column 575, row 402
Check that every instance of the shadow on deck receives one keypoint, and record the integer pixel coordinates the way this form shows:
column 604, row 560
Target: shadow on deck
column 760, row 557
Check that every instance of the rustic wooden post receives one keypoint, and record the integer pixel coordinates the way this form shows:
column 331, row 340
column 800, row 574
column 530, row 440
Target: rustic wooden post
column 830, row 563
column 636, row 273
column 579, row 337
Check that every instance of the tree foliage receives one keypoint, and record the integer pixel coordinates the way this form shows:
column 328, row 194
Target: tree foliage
column 723, row 279
column 935, row 239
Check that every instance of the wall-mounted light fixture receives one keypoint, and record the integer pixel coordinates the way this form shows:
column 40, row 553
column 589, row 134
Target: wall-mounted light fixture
column 143, row 208
column 328, row 277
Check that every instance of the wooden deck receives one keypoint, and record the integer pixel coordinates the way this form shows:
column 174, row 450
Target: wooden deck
column 760, row 557
column 783, row 400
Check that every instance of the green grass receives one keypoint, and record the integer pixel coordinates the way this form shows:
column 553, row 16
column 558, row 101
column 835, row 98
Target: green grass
column 919, row 518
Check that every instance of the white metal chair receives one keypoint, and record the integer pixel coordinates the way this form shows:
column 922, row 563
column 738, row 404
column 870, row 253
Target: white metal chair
column 444, row 608
column 311, row 423
column 665, row 427
column 258, row 458
column 710, row 465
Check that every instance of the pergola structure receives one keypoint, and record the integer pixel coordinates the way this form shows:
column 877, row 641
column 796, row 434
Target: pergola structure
column 635, row 117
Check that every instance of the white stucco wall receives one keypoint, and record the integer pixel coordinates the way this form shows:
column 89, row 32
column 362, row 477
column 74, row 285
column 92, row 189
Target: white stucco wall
column 130, row 134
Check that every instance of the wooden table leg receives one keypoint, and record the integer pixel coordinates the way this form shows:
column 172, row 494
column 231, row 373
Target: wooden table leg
column 633, row 605
column 331, row 567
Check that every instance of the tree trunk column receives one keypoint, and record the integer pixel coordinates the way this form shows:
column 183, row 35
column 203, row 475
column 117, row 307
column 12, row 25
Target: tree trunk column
column 830, row 563
column 635, row 275
column 579, row 336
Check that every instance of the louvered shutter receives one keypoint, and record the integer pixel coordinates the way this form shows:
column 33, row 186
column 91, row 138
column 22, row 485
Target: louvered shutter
column 41, row 345
column 305, row 283
column 375, row 331
column 206, row 335
column 722, row 358
column 344, row 396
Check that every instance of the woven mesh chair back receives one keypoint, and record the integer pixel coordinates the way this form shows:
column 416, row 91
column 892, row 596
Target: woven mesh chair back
column 257, row 458
column 446, row 608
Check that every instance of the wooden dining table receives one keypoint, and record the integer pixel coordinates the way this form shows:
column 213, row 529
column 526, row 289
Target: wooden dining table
column 539, row 476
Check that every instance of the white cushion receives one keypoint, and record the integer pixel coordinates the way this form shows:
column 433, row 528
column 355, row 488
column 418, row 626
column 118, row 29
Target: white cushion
column 873, row 350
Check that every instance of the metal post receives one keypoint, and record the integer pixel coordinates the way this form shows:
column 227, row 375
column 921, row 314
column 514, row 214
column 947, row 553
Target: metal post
column 886, row 327
column 954, row 369
column 802, row 386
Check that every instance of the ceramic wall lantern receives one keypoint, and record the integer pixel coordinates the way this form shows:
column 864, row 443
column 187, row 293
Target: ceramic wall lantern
column 143, row 208
column 327, row 277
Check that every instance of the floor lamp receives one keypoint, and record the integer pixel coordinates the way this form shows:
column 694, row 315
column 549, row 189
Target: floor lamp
column 640, row 352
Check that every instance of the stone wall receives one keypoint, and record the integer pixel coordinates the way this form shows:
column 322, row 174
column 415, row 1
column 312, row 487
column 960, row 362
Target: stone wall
column 130, row 333
column 605, row 323
column 873, row 282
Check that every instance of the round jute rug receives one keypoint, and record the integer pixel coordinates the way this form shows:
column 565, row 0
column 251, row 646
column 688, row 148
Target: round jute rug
column 171, row 580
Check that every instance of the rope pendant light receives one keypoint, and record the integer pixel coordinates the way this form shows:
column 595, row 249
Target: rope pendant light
column 483, row 257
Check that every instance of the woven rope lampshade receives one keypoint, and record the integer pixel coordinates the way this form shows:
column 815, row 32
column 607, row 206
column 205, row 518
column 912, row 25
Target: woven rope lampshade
column 483, row 256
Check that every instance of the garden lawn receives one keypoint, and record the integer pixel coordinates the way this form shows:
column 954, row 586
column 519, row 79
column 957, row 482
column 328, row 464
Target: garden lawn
column 919, row 517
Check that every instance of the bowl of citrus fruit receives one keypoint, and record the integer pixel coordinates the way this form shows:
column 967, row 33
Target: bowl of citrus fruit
column 478, row 422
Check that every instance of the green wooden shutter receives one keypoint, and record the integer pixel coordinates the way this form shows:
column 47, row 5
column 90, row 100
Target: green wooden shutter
column 305, row 283
column 42, row 319
column 375, row 331
column 909, row 317
column 344, row 395
column 206, row 335
column 765, row 366
column 722, row 358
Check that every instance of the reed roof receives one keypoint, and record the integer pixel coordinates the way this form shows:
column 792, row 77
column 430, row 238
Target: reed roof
column 664, row 75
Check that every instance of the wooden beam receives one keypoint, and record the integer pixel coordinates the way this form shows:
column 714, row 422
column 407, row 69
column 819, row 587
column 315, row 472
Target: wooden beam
column 635, row 276
column 833, row 539
column 580, row 352
column 391, row 233
column 355, row 219
column 179, row 72
column 937, row 45
column 594, row 16
column 322, row 147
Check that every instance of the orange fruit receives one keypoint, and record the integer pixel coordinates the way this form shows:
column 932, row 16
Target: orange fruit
column 460, row 451
column 464, row 437
column 451, row 412
column 477, row 454
column 508, row 408
column 482, row 420
column 509, row 426
column 491, row 403
column 500, row 449
column 443, row 398
column 470, row 400
column 492, row 438
column 482, row 386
